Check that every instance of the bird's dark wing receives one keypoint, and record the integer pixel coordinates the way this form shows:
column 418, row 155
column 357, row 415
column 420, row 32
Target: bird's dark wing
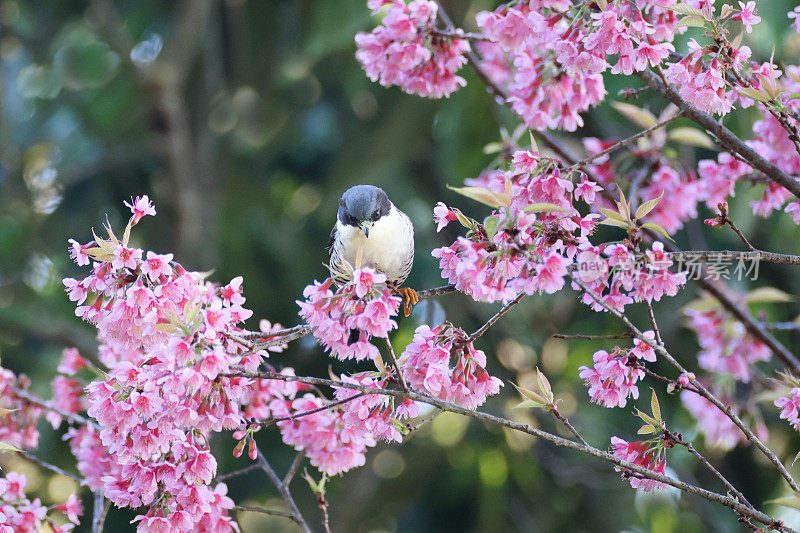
column 331, row 242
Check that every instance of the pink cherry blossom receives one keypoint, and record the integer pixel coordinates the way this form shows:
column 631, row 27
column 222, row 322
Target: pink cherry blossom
column 140, row 207
column 640, row 453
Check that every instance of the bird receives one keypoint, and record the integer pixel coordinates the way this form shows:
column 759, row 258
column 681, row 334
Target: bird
column 370, row 231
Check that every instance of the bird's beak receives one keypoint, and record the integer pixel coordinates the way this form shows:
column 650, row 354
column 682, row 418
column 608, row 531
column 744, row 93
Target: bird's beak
column 365, row 228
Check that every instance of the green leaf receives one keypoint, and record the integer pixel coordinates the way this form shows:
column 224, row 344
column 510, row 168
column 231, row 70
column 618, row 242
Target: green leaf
column 35, row 81
column 692, row 21
column 483, row 195
column 540, row 207
column 768, row 295
column 527, row 404
column 647, row 429
column 656, row 408
column 492, row 148
column 648, row 206
column 647, row 418
column 686, row 10
column 533, row 396
column 490, row 225
column 544, row 386
column 610, row 213
column 656, row 227
column 787, row 501
column 754, row 94
column 615, row 223
column 637, row 115
column 692, row 137
column 6, row 447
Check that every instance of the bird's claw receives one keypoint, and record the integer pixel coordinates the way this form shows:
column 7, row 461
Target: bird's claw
column 410, row 299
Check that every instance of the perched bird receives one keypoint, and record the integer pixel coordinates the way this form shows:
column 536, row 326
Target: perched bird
column 371, row 232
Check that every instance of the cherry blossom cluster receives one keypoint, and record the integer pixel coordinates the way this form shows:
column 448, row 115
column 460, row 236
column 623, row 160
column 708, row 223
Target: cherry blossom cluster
column 516, row 249
column 426, row 366
column 550, row 58
column 407, row 51
column 323, row 435
column 345, row 320
column 644, row 454
column 726, row 347
column 19, row 417
column 720, row 432
column 613, row 377
column 770, row 140
column 375, row 414
column 164, row 334
column 19, row 514
column 789, row 407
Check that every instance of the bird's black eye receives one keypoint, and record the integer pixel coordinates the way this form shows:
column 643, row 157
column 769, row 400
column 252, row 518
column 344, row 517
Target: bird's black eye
column 376, row 215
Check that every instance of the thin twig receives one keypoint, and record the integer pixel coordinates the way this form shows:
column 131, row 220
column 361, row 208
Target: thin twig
column 53, row 468
column 592, row 337
column 284, row 492
column 480, row 331
column 237, row 473
column 101, row 507
column 329, row 405
column 261, row 510
column 726, row 138
column 653, row 323
column 555, row 412
column 616, row 146
column 298, row 459
column 393, row 361
column 733, row 490
column 78, row 419
column 729, row 255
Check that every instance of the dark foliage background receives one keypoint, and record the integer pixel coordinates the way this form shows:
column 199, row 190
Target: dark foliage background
column 245, row 130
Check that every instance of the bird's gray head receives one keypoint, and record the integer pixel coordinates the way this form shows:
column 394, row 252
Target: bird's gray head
column 363, row 205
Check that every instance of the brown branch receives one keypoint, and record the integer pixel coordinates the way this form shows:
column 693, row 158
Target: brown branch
column 284, row 492
column 725, row 137
column 329, row 405
column 480, row 331
column 728, row 485
column 627, row 141
column 237, row 473
column 592, row 337
column 728, row 255
column 101, row 507
column 298, row 459
column 555, row 412
column 261, row 510
column 53, row 468
column 395, row 366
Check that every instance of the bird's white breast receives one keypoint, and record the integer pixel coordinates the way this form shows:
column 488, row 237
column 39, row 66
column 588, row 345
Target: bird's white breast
column 389, row 247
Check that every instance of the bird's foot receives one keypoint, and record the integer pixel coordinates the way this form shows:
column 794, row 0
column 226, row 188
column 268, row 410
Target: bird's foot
column 410, row 298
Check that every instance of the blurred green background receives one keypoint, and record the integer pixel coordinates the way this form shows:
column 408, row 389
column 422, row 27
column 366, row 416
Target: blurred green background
column 244, row 121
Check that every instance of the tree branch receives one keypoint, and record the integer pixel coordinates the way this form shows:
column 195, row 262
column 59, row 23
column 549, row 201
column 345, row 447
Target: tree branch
column 734, row 504
column 726, row 138
column 284, row 492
